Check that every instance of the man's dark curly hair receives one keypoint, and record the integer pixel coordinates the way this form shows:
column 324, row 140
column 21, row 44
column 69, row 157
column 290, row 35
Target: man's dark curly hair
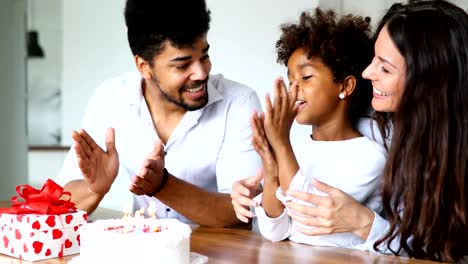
column 344, row 45
column 151, row 23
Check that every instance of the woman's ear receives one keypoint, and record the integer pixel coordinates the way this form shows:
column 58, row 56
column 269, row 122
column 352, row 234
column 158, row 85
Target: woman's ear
column 347, row 87
column 143, row 67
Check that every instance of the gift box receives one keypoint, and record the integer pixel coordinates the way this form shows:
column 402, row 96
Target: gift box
column 44, row 225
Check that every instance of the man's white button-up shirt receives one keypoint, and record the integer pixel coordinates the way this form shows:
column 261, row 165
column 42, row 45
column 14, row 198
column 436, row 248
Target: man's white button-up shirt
column 211, row 147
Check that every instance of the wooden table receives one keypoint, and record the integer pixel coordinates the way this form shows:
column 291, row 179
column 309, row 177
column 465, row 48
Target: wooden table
column 223, row 245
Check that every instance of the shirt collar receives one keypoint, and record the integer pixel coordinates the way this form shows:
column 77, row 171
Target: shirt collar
column 133, row 90
column 213, row 94
column 191, row 117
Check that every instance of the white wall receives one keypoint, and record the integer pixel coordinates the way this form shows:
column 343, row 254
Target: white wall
column 13, row 139
column 94, row 49
column 376, row 9
column 461, row 3
column 337, row 5
column 243, row 35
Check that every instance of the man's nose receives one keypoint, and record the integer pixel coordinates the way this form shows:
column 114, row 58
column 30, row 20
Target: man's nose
column 200, row 72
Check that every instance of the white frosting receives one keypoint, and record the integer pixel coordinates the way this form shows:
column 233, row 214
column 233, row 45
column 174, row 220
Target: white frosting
column 105, row 242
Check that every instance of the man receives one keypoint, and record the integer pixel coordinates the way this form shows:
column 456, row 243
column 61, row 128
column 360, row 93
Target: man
column 181, row 135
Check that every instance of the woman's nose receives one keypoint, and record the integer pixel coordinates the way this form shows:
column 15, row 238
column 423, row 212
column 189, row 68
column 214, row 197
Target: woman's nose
column 368, row 72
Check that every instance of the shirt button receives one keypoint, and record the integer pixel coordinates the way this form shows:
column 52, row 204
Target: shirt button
column 168, row 210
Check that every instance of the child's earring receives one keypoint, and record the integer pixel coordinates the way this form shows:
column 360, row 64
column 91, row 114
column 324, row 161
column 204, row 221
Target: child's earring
column 342, row 96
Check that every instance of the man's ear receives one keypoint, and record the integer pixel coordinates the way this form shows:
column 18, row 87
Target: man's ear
column 143, row 67
column 347, row 86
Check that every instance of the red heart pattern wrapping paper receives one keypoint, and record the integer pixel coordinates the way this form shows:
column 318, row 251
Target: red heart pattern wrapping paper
column 35, row 237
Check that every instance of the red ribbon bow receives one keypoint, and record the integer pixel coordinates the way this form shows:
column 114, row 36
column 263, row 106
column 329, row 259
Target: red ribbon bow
column 44, row 201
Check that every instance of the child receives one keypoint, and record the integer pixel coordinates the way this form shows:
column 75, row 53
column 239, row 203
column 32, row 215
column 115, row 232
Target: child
column 325, row 57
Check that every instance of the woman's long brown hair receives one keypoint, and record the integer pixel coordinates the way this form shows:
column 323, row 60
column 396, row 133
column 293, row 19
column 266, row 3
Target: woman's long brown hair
column 425, row 179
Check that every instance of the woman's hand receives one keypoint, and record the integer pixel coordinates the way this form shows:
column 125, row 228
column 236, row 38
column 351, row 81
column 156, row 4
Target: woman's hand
column 336, row 213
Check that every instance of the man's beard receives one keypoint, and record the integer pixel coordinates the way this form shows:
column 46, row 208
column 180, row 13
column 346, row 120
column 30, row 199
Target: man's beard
column 180, row 102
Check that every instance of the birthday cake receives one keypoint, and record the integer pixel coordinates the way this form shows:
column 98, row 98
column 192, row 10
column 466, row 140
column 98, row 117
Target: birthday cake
column 144, row 241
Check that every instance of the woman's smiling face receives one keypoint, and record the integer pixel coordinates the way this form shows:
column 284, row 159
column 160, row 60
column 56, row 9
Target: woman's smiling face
column 387, row 72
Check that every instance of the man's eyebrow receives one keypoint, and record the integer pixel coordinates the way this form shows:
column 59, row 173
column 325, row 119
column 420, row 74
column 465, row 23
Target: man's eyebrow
column 185, row 58
column 205, row 50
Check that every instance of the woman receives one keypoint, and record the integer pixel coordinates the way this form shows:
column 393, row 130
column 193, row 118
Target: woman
column 419, row 74
column 420, row 79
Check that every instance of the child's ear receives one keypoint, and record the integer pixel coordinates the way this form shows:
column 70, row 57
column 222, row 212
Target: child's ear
column 143, row 67
column 347, row 87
